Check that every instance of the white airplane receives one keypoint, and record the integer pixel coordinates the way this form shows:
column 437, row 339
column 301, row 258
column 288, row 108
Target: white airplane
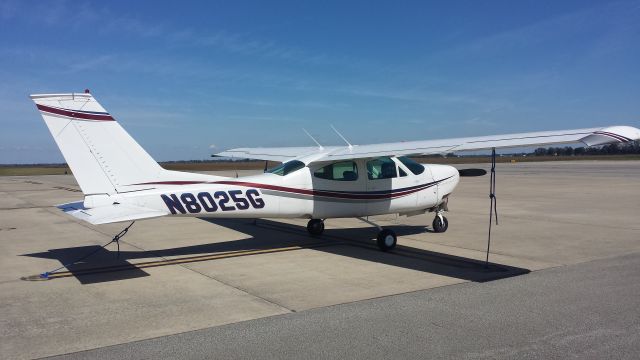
column 121, row 182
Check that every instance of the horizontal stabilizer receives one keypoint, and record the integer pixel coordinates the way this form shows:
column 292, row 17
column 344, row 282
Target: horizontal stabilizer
column 109, row 213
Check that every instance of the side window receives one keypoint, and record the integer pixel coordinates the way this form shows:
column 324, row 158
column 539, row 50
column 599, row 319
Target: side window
column 381, row 168
column 287, row 168
column 339, row 171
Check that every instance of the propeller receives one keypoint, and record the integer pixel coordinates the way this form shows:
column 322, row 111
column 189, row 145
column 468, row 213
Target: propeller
column 472, row 172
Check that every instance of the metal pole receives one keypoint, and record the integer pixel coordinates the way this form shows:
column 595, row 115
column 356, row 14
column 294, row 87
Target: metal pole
column 492, row 202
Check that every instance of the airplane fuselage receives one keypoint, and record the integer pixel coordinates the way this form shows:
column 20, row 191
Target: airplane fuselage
column 301, row 194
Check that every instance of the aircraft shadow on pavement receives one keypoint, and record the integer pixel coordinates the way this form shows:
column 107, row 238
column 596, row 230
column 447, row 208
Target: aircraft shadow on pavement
column 102, row 259
column 341, row 242
column 267, row 236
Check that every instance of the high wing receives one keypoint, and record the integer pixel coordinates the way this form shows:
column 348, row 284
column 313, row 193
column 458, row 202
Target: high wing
column 281, row 154
column 589, row 137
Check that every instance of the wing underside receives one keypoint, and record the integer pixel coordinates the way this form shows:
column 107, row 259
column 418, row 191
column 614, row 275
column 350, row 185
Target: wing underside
column 588, row 137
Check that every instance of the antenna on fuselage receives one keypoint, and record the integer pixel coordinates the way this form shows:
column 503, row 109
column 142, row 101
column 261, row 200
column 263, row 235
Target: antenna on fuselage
column 343, row 138
column 312, row 138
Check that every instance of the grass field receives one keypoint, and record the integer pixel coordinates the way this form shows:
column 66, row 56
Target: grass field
column 213, row 166
column 26, row 170
column 19, row 170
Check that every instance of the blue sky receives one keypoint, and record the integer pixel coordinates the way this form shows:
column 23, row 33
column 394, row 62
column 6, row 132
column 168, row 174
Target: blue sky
column 190, row 78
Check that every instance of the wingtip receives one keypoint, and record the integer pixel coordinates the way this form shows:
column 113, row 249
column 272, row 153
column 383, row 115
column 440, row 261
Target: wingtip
column 61, row 95
column 612, row 134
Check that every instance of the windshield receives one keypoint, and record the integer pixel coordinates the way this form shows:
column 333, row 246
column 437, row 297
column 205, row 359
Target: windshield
column 412, row 165
column 287, row 168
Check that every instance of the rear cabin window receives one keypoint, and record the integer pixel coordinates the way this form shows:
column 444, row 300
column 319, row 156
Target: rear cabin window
column 381, row 168
column 412, row 165
column 339, row 171
column 287, row 168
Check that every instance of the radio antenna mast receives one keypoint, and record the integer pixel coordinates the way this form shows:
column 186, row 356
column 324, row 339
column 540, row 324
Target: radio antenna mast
column 312, row 138
column 342, row 137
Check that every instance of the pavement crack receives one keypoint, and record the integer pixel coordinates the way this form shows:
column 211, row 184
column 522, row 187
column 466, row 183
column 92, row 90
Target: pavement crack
column 25, row 207
column 269, row 301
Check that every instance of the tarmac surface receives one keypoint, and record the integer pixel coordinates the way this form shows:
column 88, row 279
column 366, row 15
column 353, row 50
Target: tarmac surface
column 583, row 311
column 563, row 280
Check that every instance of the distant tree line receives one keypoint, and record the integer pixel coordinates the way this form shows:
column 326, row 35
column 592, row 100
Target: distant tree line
column 611, row 149
column 214, row 160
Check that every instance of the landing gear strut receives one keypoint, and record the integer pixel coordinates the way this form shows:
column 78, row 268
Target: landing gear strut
column 387, row 239
column 315, row 227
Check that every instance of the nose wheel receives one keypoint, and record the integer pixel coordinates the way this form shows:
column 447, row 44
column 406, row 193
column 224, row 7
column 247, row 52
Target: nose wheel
column 315, row 227
column 440, row 224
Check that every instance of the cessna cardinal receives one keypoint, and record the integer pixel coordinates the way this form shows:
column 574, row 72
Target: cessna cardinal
column 121, row 182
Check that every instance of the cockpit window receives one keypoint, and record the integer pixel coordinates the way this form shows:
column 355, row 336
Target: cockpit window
column 287, row 168
column 381, row 168
column 339, row 171
column 415, row 167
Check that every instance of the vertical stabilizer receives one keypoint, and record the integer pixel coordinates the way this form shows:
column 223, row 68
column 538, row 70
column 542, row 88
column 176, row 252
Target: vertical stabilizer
column 104, row 158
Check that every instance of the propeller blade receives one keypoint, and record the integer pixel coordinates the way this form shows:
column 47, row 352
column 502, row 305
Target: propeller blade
column 472, row 172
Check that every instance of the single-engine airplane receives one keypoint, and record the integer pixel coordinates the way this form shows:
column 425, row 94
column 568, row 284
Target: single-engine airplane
column 121, row 182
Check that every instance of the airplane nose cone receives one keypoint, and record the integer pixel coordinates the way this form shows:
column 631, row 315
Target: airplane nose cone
column 444, row 173
column 454, row 173
column 447, row 177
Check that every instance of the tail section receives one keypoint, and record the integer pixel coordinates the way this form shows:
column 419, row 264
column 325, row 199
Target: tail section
column 104, row 158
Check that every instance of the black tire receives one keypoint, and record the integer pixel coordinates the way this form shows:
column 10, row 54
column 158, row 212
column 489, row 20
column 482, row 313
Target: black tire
column 440, row 226
column 387, row 240
column 315, row 227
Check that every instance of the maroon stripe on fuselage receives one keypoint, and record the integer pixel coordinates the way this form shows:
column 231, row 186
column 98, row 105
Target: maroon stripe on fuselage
column 308, row 192
column 173, row 183
column 326, row 193
column 75, row 114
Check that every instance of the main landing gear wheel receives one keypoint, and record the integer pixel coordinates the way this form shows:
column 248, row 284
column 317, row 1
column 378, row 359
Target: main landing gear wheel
column 315, row 227
column 440, row 224
column 387, row 240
